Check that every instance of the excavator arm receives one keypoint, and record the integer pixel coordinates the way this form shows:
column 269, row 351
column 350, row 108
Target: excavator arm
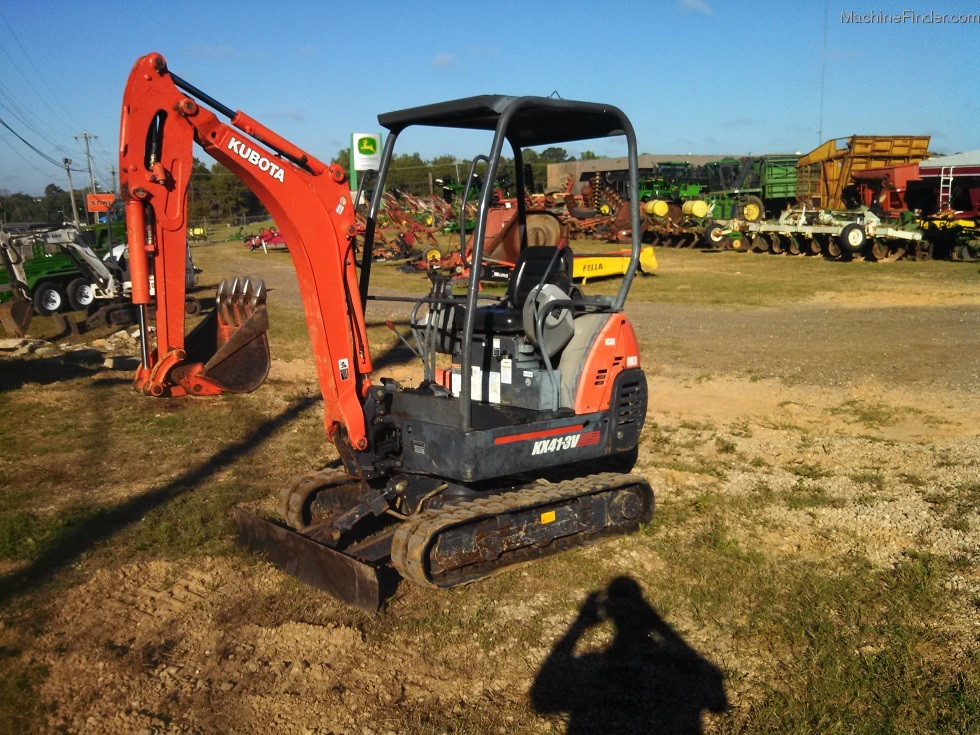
column 162, row 117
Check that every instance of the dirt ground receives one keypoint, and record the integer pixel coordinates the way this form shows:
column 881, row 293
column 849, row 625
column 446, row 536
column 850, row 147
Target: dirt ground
column 878, row 402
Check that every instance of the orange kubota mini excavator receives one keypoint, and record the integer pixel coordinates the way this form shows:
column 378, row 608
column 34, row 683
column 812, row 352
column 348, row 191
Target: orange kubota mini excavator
column 517, row 443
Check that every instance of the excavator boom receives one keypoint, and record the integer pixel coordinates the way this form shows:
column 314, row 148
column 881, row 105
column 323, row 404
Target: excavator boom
column 162, row 117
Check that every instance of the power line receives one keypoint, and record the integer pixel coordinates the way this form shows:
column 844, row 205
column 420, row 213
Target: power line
column 22, row 116
column 21, row 156
column 112, row 159
column 28, row 120
column 36, row 71
column 39, row 152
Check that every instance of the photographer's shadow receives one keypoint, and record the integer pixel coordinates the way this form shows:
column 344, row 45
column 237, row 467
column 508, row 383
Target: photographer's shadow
column 648, row 680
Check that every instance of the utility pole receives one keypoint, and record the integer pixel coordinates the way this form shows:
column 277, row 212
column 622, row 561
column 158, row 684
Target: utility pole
column 88, row 155
column 112, row 172
column 71, row 191
column 823, row 69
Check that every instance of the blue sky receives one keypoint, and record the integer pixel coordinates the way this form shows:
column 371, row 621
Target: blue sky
column 695, row 76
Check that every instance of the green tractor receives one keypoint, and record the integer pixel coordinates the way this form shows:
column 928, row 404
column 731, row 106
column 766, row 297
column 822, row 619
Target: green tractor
column 749, row 188
column 676, row 181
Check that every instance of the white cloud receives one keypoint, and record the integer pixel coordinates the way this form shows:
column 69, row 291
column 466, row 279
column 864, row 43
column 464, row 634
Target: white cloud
column 697, row 6
column 444, row 61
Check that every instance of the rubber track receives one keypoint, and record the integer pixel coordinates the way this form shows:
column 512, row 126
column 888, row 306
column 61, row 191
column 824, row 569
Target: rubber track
column 416, row 536
column 293, row 497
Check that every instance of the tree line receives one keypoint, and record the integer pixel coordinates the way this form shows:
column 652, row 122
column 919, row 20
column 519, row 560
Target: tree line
column 215, row 194
column 409, row 172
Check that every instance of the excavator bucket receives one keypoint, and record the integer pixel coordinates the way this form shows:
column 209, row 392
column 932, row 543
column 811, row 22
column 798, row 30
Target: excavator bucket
column 231, row 341
column 346, row 578
column 15, row 316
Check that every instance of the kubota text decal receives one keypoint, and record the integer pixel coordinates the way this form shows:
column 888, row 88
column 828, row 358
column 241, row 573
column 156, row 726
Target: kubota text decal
column 256, row 159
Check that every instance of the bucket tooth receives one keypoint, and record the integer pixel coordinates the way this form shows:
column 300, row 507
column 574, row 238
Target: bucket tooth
column 243, row 301
column 234, row 299
column 231, row 342
column 241, row 360
column 222, row 302
column 259, row 291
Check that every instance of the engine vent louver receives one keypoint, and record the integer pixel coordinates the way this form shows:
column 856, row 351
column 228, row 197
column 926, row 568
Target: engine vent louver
column 629, row 404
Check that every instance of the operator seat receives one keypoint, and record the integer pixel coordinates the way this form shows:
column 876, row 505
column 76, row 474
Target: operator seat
column 532, row 265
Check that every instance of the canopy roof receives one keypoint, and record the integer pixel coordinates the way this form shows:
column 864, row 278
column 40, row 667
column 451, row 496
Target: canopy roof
column 533, row 120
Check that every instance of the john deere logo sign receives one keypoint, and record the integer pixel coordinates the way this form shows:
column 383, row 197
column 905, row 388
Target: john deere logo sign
column 365, row 151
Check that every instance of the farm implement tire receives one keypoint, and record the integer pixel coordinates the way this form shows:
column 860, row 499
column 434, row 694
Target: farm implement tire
column 753, row 209
column 852, row 238
column 714, row 236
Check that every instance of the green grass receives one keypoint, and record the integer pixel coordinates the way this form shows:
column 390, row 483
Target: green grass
column 698, row 467
column 725, row 446
column 692, row 277
column 25, row 535
column 194, row 523
column 804, row 496
column 956, row 506
column 859, row 658
column 750, row 280
column 874, row 478
column 808, row 470
column 912, row 479
column 850, row 648
column 873, row 415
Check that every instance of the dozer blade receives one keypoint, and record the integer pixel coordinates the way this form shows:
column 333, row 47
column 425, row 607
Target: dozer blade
column 15, row 316
column 346, row 578
column 232, row 341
